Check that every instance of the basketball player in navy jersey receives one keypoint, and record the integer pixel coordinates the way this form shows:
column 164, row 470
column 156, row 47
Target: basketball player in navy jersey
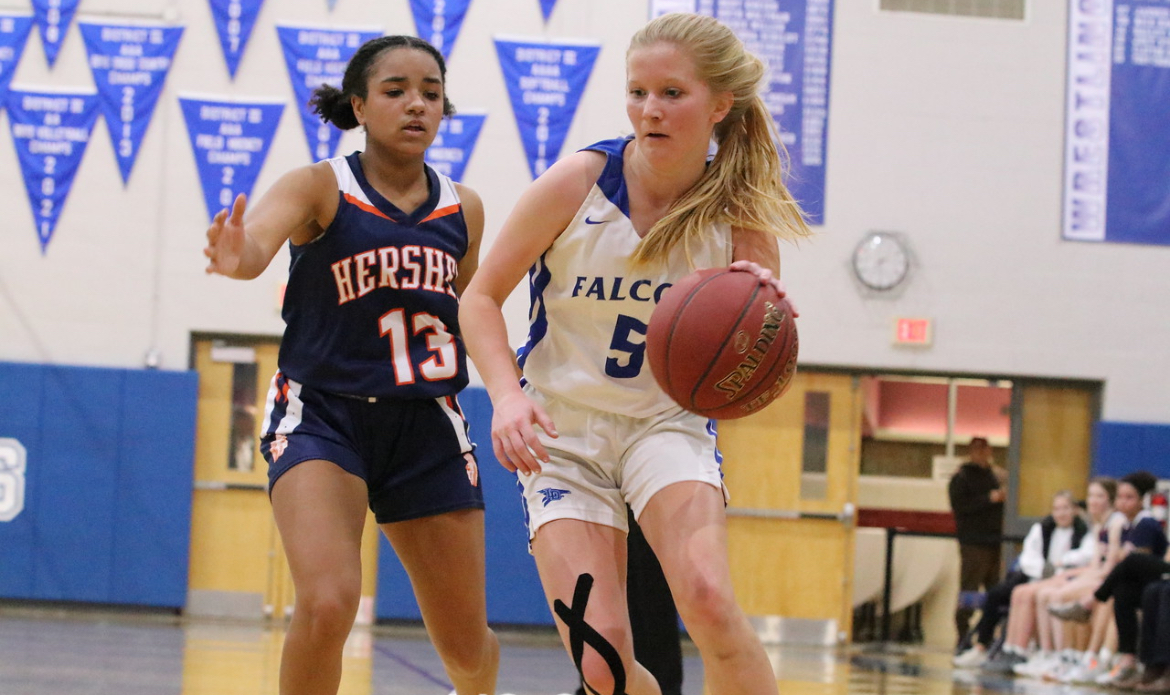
column 362, row 411
column 602, row 233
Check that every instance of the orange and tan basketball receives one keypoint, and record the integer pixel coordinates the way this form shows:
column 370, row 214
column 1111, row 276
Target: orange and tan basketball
column 721, row 344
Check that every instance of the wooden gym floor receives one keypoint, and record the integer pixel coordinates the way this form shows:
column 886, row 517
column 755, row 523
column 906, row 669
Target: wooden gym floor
column 56, row 651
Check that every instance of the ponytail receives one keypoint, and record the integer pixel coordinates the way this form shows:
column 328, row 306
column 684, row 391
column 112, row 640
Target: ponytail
column 333, row 106
column 744, row 184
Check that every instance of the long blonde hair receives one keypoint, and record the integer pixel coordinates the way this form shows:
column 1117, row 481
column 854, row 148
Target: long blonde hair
column 744, row 184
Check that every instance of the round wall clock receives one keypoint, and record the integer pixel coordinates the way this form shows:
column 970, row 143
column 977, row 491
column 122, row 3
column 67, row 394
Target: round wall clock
column 881, row 261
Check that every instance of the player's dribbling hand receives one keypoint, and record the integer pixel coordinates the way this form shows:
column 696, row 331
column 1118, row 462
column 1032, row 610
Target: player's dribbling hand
column 225, row 239
column 514, row 440
column 766, row 278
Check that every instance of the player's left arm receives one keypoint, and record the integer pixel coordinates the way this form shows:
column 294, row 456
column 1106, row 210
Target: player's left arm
column 758, row 253
column 473, row 215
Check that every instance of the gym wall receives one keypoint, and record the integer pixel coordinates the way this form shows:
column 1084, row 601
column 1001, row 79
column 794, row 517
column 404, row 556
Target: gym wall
column 948, row 130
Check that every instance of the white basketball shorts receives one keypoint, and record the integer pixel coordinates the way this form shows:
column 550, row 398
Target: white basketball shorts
column 603, row 461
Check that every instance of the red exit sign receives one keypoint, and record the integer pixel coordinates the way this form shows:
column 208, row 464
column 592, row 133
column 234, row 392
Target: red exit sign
column 910, row 331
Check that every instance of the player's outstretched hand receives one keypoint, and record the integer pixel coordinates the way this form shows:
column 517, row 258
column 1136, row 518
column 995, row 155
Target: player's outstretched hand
column 514, row 440
column 766, row 278
column 225, row 239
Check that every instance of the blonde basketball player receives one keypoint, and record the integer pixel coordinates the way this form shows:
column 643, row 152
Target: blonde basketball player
column 604, row 232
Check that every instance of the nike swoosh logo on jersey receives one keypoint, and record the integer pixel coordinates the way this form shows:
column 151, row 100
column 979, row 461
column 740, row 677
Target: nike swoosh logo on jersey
column 589, row 221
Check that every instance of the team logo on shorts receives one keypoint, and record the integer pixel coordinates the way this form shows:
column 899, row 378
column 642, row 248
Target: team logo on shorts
column 277, row 447
column 472, row 469
column 552, row 494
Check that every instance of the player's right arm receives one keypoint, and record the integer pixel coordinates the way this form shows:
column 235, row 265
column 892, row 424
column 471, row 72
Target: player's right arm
column 299, row 206
column 544, row 210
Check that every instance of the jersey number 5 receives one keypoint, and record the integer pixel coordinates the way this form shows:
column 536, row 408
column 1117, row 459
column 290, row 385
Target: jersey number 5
column 629, row 336
column 441, row 365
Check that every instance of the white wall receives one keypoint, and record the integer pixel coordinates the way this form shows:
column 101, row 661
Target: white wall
column 951, row 131
column 948, row 130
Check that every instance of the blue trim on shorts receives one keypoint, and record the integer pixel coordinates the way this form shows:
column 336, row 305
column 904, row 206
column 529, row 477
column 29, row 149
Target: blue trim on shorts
column 524, row 507
column 713, row 430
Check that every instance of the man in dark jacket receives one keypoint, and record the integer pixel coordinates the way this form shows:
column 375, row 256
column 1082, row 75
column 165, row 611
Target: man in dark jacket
column 977, row 497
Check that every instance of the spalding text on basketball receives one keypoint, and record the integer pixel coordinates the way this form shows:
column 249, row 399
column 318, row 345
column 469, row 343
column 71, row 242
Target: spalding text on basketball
column 734, row 382
column 778, row 387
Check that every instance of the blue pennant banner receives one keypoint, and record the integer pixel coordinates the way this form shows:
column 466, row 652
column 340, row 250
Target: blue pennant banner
column 453, row 146
column 53, row 17
column 1117, row 102
column 50, row 131
column 545, row 83
column 130, row 64
column 439, row 21
column 546, row 7
column 317, row 56
column 14, row 30
column 230, row 140
column 234, row 20
column 795, row 39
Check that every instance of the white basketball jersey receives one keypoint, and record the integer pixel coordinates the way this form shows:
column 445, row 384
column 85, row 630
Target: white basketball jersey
column 589, row 311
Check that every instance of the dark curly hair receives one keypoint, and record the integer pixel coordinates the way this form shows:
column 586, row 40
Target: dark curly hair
column 1142, row 481
column 333, row 105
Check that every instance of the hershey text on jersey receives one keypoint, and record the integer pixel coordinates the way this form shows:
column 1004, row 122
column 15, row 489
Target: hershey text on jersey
column 410, row 267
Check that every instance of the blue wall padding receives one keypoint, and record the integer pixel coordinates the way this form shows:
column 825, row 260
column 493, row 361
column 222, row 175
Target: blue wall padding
column 514, row 594
column 21, row 394
column 158, row 451
column 110, row 456
column 1124, row 447
column 75, row 482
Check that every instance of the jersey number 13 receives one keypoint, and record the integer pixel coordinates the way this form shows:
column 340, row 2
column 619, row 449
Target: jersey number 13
column 443, row 364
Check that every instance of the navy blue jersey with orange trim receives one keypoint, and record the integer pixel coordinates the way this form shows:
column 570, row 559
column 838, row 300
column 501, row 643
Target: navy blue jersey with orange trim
column 370, row 306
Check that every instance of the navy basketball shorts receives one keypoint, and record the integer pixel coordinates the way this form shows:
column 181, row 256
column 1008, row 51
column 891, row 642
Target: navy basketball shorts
column 414, row 454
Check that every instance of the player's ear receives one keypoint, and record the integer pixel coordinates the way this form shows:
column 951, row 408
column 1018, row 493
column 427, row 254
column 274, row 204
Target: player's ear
column 721, row 104
column 359, row 108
